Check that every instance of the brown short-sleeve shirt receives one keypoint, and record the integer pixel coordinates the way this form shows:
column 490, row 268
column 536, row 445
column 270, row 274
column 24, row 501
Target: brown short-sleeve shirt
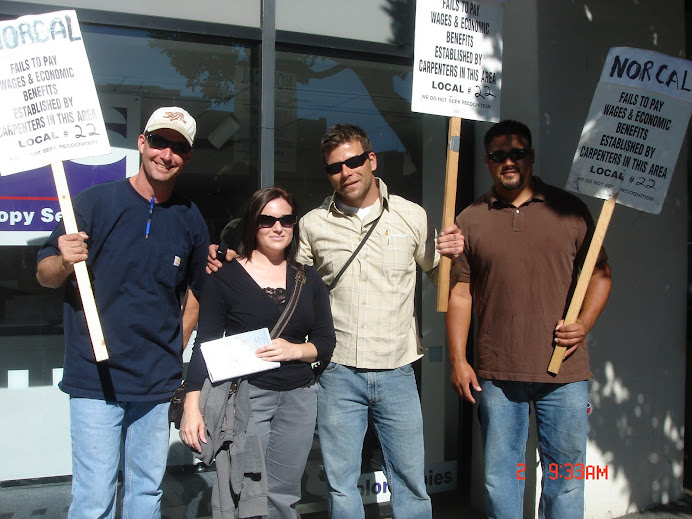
column 522, row 263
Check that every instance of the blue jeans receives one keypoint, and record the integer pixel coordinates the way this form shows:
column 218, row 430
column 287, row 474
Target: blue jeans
column 345, row 399
column 286, row 427
column 562, row 426
column 99, row 429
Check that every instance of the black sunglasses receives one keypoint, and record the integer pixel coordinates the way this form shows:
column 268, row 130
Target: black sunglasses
column 161, row 143
column 352, row 163
column 514, row 154
column 264, row 221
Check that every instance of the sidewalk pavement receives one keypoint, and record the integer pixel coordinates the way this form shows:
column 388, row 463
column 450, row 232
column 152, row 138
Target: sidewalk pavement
column 681, row 509
column 187, row 496
column 444, row 508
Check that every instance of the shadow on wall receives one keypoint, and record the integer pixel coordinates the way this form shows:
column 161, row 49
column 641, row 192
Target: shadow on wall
column 634, row 453
column 624, row 418
column 638, row 346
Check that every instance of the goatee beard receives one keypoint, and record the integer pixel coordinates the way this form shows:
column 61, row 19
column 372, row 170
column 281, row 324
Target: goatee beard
column 511, row 186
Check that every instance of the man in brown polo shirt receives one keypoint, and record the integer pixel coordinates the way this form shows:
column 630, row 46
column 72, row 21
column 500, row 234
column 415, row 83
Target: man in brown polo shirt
column 525, row 241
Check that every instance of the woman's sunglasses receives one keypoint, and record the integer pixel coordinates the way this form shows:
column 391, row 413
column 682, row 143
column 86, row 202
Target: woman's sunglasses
column 264, row 221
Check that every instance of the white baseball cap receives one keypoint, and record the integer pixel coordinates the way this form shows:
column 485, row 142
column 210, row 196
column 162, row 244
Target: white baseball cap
column 174, row 118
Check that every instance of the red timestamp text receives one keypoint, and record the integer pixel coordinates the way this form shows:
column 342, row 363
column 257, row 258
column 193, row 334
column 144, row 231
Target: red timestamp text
column 569, row 471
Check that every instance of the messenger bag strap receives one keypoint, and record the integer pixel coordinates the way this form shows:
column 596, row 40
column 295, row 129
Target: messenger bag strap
column 355, row 252
column 291, row 305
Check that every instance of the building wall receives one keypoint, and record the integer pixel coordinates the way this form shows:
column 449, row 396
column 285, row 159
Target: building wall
column 638, row 348
column 245, row 13
column 363, row 20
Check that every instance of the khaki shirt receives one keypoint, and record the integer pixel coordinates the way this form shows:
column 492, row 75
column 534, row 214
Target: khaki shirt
column 373, row 301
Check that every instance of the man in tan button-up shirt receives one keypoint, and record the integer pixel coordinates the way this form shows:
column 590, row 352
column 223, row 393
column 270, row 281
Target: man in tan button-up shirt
column 372, row 303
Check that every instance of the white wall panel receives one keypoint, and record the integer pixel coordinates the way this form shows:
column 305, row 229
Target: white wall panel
column 245, row 13
column 366, row 20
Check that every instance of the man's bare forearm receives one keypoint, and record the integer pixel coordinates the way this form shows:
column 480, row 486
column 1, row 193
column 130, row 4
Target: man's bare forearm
column 190, row 316
column 51, row 272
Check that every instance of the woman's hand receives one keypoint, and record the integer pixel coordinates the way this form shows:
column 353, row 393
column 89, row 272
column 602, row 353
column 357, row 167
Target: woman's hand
column 282, row 350
column 192, row 423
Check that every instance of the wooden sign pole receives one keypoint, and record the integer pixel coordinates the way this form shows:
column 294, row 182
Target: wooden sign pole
column 454, row 143
column 584, row 278
column 80, row 269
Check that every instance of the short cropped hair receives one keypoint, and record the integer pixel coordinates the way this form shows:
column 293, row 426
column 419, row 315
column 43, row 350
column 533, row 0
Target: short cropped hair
column 254, row 208
column 507, row 127
column 341, row 134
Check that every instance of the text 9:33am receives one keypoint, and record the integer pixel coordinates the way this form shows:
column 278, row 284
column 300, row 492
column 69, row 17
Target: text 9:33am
column 569, row 471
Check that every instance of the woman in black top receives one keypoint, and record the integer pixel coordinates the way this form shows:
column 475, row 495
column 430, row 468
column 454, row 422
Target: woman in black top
column 248, row 294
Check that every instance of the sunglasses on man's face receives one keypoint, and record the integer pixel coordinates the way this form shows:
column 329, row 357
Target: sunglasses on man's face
column 514, row 154
column 264, row 221
column 352, row 163
column 161, row 143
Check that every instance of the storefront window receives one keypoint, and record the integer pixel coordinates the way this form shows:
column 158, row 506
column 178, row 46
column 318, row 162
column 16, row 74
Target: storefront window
column 312, row 94
column 135, row 72
column 315, row 92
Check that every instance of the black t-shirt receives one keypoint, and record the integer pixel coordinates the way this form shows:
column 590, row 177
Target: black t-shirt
column 232, row 302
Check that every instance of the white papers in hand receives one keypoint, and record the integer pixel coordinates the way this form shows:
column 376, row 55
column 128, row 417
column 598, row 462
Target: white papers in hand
column 234, row 355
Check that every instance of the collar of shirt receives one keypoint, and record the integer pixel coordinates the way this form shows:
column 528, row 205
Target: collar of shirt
column 361, row 212
column 494, row 201
column 383, row 201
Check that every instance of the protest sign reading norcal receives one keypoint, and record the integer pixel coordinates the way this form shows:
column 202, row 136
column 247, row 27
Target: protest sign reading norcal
column 49, row 110
column 637, row 121
column 457, row 59
column 629, row 146
column 50, row 113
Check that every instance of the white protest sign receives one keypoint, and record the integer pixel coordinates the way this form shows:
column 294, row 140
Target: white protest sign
column 50, row 113
column 635, row 127
column 49, row 110
column 629, row 146
column 457, row 58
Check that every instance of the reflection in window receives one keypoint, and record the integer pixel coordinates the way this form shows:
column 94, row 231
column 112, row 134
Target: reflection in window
column 315, row 92
column 135, row 72
column 213, row 81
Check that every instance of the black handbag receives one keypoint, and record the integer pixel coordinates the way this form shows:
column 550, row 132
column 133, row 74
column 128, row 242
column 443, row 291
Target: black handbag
column 175, row 410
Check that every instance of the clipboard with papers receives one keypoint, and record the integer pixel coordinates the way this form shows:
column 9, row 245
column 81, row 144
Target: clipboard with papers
column 234, row 355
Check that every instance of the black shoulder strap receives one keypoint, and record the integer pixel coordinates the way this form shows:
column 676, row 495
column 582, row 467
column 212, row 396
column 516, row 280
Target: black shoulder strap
column 291, row 304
